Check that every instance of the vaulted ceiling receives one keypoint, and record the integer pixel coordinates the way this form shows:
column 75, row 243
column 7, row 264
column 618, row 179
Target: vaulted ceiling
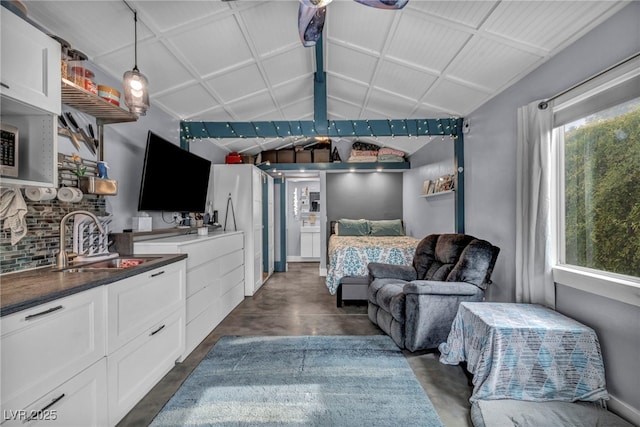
column 243, row 60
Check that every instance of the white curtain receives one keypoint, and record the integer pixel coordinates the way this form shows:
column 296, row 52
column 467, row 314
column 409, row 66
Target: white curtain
column 534, row 243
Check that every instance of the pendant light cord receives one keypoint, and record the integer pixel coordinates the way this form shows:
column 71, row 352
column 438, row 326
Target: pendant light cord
column 135, row 35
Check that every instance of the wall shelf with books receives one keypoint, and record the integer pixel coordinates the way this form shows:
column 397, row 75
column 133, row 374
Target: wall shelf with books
column 445, row 184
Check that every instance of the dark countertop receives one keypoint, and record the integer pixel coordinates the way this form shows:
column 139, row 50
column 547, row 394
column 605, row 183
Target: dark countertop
column 26, row 289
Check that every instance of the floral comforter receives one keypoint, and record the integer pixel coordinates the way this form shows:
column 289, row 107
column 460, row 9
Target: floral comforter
column 349, row 255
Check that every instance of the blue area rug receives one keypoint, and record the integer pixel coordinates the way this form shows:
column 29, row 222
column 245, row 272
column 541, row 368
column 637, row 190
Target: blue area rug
column 301, row 381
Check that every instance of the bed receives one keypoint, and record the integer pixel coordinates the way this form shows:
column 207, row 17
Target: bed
column 349, row 255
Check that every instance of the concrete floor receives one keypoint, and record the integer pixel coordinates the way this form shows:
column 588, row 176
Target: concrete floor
column 298, row 303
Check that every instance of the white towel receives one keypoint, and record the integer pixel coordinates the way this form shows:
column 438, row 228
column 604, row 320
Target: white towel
column 13, row 210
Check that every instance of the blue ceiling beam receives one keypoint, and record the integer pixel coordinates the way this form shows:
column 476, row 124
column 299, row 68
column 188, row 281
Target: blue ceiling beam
column 341, row 166
column 320, row 90
column 329, row 128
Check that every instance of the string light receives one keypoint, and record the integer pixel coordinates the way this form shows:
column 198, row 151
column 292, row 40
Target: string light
column 369, row 128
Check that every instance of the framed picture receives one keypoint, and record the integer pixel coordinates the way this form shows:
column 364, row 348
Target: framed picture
column 425, row 186
column 445, row 183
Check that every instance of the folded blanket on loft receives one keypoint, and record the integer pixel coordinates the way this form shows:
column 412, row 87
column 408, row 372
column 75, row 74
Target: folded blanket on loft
column 390, row 158
column 363, row 152
column 386, row 151
column 364, row 146
column 362, row 159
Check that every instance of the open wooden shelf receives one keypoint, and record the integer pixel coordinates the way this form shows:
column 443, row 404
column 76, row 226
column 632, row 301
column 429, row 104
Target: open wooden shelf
column 87, row 102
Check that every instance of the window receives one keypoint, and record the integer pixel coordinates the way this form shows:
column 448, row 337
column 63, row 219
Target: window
column 598, row 179
column 602, row 190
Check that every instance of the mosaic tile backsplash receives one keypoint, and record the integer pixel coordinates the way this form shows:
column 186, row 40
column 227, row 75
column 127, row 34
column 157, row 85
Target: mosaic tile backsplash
column 40, row 246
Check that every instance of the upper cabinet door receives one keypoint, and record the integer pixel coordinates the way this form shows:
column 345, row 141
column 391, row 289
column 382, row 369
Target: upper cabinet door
column 30, row 65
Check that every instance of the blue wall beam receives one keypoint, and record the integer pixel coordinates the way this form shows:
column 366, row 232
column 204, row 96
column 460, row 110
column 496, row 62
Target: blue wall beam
column 458, row 162
column 281, row 263
column 330, row 128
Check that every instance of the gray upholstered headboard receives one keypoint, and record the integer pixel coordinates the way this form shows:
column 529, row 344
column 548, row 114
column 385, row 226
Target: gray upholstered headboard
column 332, row 226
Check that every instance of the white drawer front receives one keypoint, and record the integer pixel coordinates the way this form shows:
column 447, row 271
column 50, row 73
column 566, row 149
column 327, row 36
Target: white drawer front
column 44, row 346
column 199, row 302
column 201, row 326
column 231, row 299
column 231, row 279
column 201, row 276
column 135, row 368
column 136, row 303
column 230, row 261
column 81, row 401
column 206, row 251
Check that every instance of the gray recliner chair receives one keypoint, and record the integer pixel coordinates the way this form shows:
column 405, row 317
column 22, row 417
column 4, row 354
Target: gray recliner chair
column 415, row 305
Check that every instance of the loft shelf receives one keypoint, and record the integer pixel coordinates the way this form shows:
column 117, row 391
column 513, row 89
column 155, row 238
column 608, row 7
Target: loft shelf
column 439, row 193
column 342, row 166
column 87, row 102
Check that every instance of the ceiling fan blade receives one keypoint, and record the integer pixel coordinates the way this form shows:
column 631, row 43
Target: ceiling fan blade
column 384, row 4
column 310, row 24
column 315, row 3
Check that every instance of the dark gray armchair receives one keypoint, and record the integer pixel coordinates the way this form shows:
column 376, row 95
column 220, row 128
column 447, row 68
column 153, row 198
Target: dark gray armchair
column 415, row 305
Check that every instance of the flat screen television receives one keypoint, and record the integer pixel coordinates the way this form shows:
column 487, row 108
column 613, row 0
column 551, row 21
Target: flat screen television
column 173, row 179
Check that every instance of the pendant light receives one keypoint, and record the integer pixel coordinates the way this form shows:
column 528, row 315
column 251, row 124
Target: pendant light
column 136, row 86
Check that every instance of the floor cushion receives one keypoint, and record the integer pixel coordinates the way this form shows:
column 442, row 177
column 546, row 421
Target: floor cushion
column 503, row 413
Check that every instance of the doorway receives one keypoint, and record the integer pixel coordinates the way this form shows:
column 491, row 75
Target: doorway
column 304, row 206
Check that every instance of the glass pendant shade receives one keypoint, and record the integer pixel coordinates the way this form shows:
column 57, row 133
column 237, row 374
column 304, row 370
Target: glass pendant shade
column 135, row 84
column 315, row 3
column 136, row 92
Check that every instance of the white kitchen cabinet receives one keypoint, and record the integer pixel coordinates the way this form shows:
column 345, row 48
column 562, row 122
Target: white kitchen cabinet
column 136, row 367
column 88, row 358
column 78, row 402
column 243, row 183
column 44, row 346
column 145, row 338
column 30, row 99
column 138, row 302
column 310, row 242
column 214, row 279
column 30, row 68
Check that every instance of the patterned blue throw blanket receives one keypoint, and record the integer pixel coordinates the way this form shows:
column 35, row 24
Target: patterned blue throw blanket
column 525, row 352
column 350, row 255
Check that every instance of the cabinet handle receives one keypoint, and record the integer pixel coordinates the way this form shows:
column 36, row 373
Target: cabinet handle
column 158, row 273
column 42, row 313
column 37, row 413
column 157, row 330
column 6, row 86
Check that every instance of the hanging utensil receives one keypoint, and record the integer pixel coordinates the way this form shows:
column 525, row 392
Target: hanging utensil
column 93, row 135
column 87, row 141
column 72, row 135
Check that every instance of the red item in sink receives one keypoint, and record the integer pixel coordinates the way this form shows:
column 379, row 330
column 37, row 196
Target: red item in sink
column 125, row 263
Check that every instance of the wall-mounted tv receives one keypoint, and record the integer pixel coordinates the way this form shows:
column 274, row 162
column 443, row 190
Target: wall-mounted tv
column 173, row 179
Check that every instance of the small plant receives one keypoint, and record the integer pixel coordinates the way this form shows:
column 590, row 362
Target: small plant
column 80, row 170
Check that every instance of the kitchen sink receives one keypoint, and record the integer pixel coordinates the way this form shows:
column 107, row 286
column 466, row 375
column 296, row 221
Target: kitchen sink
column 118, row 263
